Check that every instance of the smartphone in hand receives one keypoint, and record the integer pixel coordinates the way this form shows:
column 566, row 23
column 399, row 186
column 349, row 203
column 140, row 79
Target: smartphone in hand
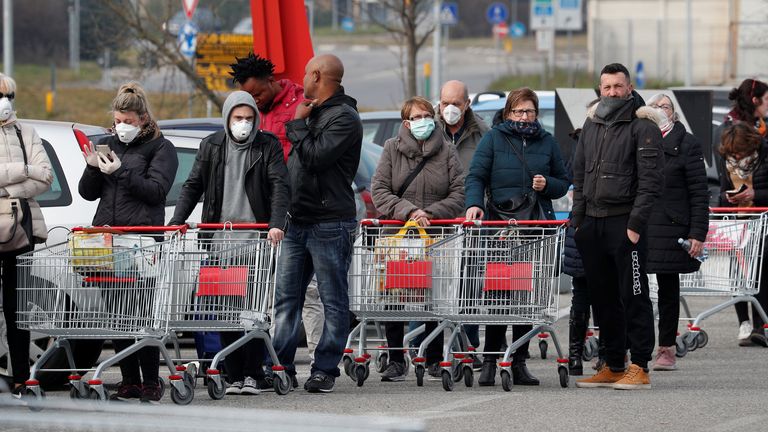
column 103, row 149
column 731, row 193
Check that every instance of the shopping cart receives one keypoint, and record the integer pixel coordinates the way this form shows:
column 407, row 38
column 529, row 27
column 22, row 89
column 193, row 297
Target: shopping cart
column 735, row 241
column 509, row 275
column 224, row 281
column 391, row 279
column 103, row 283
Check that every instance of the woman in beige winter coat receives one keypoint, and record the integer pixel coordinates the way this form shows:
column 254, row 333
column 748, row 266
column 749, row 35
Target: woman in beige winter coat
column 26, row 180
column 436, row 192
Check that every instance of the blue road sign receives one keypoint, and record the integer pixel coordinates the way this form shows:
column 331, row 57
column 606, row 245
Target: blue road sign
column 497, row 13
column 449, row 13
column 517, row 29
column 348, row 24
column 188, row 39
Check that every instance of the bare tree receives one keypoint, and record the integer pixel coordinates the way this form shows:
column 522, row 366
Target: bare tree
column 411, row 29
column 146, row 25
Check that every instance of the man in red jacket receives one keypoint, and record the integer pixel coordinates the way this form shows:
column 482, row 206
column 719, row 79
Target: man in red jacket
column 276, row 99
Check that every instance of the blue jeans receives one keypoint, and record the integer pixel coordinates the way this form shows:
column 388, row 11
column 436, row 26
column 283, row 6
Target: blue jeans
column 324, row 249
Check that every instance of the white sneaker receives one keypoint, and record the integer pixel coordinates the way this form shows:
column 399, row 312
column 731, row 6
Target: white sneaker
column 250, row 387
column 235, row 388
column 745, row 329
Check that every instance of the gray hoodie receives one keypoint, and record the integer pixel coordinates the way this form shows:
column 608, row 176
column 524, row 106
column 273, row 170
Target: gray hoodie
column 234, row 204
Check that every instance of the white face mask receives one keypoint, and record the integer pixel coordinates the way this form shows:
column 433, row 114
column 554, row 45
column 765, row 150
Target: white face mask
column 6, row 109
column 126, row 133
column 241, row 130
column 451, row 114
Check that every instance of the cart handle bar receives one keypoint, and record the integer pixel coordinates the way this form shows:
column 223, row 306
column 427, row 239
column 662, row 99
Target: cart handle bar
column 131, row 229
column 464, row 222
column 229, row 226
column 380, row 222
column 513, row 222
column 738, row 209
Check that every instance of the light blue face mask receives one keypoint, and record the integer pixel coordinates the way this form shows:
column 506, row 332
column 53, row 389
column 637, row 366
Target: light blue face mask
column 421, row 129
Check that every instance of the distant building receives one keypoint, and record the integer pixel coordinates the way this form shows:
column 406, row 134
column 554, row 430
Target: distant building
column 730, row 38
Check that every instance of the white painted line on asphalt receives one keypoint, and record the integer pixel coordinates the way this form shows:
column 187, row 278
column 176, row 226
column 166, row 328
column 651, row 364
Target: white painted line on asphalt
column 456, row 408
column 359, row 48
column 326, row 47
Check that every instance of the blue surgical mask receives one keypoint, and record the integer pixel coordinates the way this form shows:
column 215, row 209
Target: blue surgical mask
column 421, row 129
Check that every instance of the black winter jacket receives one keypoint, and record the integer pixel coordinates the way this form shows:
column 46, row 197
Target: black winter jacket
column 682, row 211
column 323, row 161
column 618, row 167
column 135, row 194
column 266, row 183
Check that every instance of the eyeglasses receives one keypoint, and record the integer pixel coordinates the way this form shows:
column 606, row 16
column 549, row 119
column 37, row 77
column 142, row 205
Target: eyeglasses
column 10, row 96
column 420, row 117
column 665, row 107
column 521, row 112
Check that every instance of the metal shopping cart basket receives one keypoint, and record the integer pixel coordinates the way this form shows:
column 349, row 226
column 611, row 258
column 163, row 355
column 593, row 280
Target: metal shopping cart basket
column 391, row 279
column 509, row 275
column 103, row 283
column 224, row 281
column 735, row 241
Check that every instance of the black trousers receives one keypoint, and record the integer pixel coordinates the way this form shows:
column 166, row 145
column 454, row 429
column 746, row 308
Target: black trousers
column 580, row 302
column 248, row 360
column 495, row 336
column 145, row 362
column 395, row 331
column 669, row 307
column 618, row 287
column 18, row 340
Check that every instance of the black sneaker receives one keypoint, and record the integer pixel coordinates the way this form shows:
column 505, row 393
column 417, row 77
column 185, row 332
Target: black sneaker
column 19, row 392
column 151, row 394
column 758, row 338
column 395, row 372
column 126, row 392
column 319, row 383
column 477, row 364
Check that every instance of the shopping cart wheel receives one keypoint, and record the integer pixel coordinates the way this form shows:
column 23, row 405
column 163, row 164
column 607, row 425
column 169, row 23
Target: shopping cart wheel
column 361, row 374
column 182, row 399
column 419, row 375
column 563, row 372
column 216, row 391
column 681, row 349
column 190, row 375
column 100, row 394
column 469, row 377
column 162, row 385
column 382, row 361
column 690, row 341
column 506, row 380
column 702, row 339
column 282, row 384
column 543, row 348
column 587, row 353
column 447, row 380
column 348, row 367
column 74, row 393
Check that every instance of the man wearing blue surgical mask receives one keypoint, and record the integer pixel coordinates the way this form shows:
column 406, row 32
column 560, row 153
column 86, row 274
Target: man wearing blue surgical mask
column 457, row 122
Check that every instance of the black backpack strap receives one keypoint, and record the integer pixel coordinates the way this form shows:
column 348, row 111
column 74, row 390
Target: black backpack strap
column 411, row 177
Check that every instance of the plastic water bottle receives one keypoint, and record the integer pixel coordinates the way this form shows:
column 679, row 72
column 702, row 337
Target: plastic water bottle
column 686, row 244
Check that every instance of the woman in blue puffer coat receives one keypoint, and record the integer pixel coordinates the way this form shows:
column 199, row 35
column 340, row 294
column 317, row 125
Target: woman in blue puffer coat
column 515, row 158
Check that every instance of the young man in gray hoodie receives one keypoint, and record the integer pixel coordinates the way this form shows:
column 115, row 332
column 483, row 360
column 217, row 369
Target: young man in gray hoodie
column 241, row 173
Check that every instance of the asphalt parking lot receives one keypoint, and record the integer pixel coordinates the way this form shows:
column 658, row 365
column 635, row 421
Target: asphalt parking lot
column 717, row 388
